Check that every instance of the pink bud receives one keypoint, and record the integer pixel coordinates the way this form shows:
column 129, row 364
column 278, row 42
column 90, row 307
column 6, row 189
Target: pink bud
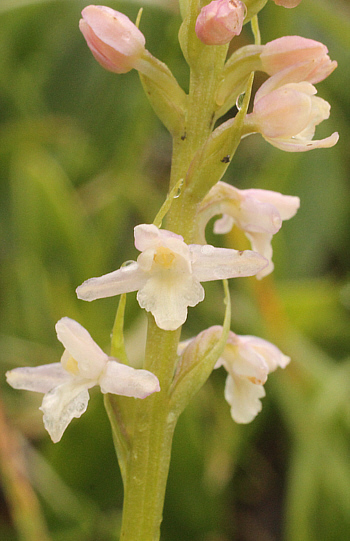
column 219, row 21
column 287, row 51
column 113, row 39
column 287, row 3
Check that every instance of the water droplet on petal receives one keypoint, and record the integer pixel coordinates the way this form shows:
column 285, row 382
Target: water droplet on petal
column 239, row 101
column 128, row 263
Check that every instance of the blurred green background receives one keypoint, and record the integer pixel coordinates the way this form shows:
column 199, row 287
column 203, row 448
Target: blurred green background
column 83, row 159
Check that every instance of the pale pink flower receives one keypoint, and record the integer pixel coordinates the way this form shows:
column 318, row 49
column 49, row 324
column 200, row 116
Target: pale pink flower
column 168, row 272
column 116, row 43
column 248, row 361
column 287, row 3
column 258, row 213
column 83, row 365
column 219, row 21
column 286, row 111
column 287, row 51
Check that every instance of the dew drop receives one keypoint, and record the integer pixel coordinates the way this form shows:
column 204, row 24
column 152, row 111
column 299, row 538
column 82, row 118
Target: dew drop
column 239, row 101
column 178, row 191
column 128, row 263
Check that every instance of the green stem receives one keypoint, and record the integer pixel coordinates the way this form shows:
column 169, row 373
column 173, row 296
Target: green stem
column 154, row 421
column 149, row 457
column 199, row 125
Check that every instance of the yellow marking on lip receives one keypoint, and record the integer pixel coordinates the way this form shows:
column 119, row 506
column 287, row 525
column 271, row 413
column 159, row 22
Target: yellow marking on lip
column 72, row 366
column 164, row 257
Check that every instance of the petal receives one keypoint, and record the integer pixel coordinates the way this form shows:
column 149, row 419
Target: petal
column 149, row 239
column 244, row 361
column 61, row 405
column 255, row 215
column 40, row 379
column 124, row 380
column 284, row 112
column 247, row 211
column 149, row 236
column 297, row 73
column 123, row 280
column 295, row 145
column 277, row 54
column 223, row 225
column 272, row 355
column 210, row 263
column 244, row 398
column 261, row 243
column 287, row 205
column 89, row 356
column 167, row 296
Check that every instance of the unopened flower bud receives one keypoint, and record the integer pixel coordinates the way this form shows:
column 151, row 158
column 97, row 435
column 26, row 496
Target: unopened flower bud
column 219, row 21
column 284, row 52
column 287, row 3
column 116, row 43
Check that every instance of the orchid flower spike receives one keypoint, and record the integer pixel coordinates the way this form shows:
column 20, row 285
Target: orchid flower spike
column 287, row 51
column 286, row 112
column 168, row 272
column 248, row 361
column 116, row 43
column 258, row 213
column 83, row 365
column 219, row 21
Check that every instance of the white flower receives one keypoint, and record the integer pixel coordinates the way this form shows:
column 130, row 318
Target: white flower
column 168, row 272
column 83, row 365
column 248, row 361
column 259, row 213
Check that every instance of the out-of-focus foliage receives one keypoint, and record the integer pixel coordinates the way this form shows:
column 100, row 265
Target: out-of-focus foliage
column 82, row 161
